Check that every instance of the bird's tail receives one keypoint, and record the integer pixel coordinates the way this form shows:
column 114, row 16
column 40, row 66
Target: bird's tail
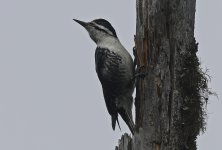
column 114, row 120
column 127, row 117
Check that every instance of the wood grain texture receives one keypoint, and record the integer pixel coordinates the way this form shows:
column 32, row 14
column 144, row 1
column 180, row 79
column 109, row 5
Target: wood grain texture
column 164, row 38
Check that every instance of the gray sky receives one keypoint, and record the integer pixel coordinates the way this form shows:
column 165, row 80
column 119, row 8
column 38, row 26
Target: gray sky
column 50, row 97
column 208, row 33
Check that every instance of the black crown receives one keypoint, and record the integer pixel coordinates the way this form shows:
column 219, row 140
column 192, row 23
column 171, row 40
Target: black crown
column 106, row 24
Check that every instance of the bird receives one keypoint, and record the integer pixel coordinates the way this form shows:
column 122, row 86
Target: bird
column 115, row 70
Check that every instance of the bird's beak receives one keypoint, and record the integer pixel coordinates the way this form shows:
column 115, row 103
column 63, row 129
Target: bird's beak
column 81, row 22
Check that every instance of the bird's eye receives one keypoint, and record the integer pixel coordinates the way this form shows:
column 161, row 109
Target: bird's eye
column 91, row 24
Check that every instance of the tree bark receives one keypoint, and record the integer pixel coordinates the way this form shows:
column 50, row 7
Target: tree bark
column 170, row 84
column 164, row 30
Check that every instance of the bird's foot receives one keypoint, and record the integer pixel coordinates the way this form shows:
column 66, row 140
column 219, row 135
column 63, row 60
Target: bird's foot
column 140, row 73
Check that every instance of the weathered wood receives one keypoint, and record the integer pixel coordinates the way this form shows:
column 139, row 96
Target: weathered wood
column 169, row 91
column 125, row 143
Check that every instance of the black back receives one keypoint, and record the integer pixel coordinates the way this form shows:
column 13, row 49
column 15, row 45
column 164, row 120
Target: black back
column 106, row 24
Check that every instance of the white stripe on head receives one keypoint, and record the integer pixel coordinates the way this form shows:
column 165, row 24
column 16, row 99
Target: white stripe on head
column 103, row 28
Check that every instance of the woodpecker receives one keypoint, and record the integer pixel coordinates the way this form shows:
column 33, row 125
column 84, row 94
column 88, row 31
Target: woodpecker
column 115, row 70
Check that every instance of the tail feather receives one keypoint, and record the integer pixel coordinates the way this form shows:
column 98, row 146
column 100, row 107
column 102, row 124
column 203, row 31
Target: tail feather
column 128, row 119
column 114, row 120
column 118, row 123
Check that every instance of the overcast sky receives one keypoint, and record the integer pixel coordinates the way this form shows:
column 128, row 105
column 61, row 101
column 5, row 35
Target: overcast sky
column 50, row 97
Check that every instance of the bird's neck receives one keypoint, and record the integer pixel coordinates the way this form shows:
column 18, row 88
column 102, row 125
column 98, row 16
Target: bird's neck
column 109, row 43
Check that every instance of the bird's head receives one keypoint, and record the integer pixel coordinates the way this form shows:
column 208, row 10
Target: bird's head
column 98, row 29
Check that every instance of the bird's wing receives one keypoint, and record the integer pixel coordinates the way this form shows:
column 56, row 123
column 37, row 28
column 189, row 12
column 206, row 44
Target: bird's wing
column 113, row 80
column 109, row 74
column 108, row 67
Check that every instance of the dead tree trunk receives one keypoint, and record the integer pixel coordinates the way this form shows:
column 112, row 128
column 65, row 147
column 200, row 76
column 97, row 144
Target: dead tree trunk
column 170, row 86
